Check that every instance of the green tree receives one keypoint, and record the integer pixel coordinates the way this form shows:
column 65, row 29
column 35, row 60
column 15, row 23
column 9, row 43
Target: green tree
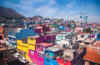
column 69, row 25
column 88, row 30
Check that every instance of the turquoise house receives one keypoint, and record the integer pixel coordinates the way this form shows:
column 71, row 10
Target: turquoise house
column 61, row 36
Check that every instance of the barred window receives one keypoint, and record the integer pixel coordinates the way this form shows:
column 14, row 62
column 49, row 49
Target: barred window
column 24, row 40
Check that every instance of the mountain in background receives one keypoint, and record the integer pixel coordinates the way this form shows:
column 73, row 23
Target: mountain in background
column 9, row 12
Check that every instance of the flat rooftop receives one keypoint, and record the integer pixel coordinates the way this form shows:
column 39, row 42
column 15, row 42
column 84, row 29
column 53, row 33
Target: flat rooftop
column 2, row 47
column 45, row 44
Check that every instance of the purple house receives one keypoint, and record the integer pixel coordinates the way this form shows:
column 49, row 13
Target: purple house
column 38, row 30
column 39, row 40
column 49, row 37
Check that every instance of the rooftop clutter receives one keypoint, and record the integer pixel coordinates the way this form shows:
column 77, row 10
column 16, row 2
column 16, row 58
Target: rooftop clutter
column 56, row 41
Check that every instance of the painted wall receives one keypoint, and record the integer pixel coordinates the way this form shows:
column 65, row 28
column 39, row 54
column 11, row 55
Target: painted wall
column 48, row 60
column 36, row 58
column 59, row 38
column 25, row 46
column 98, row 37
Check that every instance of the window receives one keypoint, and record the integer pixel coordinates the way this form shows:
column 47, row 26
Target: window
column 98, row 36
column 82, row 36
column 31, row 38
column 38, row 46
column 14, row 39
column 48, row 55
column 63, row 37
column 47, row 60
column 9, row 38
column 67, row 57
column 24, row 40
column 43, row 49
column 32, row 52
column 41, row 55
column 64, row 61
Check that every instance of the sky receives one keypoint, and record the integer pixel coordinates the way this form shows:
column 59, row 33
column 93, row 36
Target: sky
column 66, row 9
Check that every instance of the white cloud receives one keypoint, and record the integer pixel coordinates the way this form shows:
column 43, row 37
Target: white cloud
column 71, row 4
column 52, row 2
column 94, row 19
column 46, row 11
column 25, row 4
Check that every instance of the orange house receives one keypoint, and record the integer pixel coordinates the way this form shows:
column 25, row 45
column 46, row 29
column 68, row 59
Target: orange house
column 1, row 33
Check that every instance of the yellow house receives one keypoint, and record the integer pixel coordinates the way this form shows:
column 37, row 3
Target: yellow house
column 23, row 45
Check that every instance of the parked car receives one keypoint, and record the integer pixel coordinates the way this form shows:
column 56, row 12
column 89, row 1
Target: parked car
column 23, row 60
column 16, row 55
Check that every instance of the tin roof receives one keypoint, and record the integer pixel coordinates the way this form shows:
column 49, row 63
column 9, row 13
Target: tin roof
column 92, row 40
column 54, row 48
column 93, row 53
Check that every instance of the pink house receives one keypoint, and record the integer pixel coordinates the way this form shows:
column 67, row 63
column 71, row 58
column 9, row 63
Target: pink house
column 37, row 56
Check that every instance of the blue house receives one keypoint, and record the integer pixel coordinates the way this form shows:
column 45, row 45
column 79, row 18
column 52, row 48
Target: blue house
column 62, row 28
column 28, row 25
column 24, row 33
column 98, row 37
column 50, row 56
column 12, row 39
column 61, row 36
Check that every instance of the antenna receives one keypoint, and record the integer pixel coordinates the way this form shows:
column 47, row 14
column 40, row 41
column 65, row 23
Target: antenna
column 83, row 14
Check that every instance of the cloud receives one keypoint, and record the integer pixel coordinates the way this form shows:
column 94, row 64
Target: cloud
column 47, row 10
column 52, row 2
column 25, row 4
column 50, row 8
column 71, row 4
column 94, row 19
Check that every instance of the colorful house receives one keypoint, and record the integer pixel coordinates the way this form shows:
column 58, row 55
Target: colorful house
column 29, row 25
column 78, row 29
column 71, row 56
column 37, row 56
column 98, row 37
column 60, row 36
column 1, row 33
column 49, row 37
column 82, row 37
column 12, row 39
column 62, row 28
column 50, row 55
column 37, row 30
column 95, row 30
column 23, row 46
column 63, row 35
column 63, row 56
column 22, row 34
column 93, row 54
